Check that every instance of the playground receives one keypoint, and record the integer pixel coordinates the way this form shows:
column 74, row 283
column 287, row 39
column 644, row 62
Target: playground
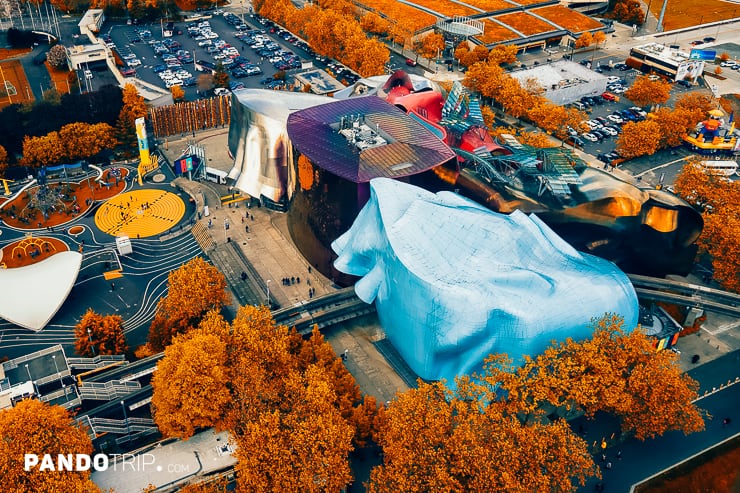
column 48, row 206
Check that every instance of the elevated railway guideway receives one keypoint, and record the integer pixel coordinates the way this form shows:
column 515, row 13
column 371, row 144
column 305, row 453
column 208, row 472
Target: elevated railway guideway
column 325, row 311
column 709, row 299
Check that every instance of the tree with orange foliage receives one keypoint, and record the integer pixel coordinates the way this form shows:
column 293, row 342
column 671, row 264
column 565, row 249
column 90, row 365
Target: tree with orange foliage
column 373, row 23
column 614, row 372
column 290, row 404
column 180, row 405
column 487, row 78
column 646, row 92
column 96, row 334
column 177, row 93
column 285, row 415
column 585, row 40
column 628, row 12
column 695, row 105
column 34, row 427
column 535, row 139
column 515, row 99
column 674, row 125
column 434, row 440
column 599, row 37
column 639, row 139
column 431, row 45
column 3, row 161
column 134, row 107
column 501, row 54
column 555, row 119
column 718, row 199
column 193, row 290
column 43, row 151
column 82, row 140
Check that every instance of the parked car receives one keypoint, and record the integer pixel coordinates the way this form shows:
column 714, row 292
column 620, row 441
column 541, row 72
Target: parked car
column 590, row 137
column 410, row 62
column 128, row 71
column 609, row 130
column 221, row 91
column 609, row 96
column 615, row 118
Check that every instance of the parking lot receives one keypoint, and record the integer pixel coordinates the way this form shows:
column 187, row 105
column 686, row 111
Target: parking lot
column 251, row 49
column 611, row 113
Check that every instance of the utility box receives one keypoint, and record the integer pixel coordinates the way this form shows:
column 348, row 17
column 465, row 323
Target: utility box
column 123, row 244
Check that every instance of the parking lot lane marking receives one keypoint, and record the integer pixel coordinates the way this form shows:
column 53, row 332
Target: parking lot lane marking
column 660, row 166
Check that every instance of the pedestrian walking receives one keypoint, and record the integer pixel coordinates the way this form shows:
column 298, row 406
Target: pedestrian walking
column 608, row 465
column 603, row 457
column 619, row 454
column 112, row 286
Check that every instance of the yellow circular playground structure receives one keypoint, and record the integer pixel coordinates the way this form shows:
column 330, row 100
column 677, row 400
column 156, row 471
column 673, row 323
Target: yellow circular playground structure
column 140, row 213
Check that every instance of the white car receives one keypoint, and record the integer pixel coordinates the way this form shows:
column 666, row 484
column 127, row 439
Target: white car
column 609, row 130
column 173, row 82
column 593, row 124
column 615, row 118
column 88, row 74
column 591, row 137
column 612, row 79
column 618, row 90
column 133, row 63
column 221, row 91
column 206, row 42
column 639, row 111
column 219, row 56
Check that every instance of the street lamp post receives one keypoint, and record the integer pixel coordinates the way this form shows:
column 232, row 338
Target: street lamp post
column 33, row 384
column 54, row 359
column 89, row 338
column 268, row 293
column 125, row 419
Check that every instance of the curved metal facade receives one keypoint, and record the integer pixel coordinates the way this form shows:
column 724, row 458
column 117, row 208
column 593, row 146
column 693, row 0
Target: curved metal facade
column 259, row 144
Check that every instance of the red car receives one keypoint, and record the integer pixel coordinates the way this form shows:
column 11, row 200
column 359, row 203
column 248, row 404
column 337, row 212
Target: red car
column 128, row 71
column 410, row 62
column 609, row 96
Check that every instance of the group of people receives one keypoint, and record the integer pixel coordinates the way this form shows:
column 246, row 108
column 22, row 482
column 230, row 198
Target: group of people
column 287, row 281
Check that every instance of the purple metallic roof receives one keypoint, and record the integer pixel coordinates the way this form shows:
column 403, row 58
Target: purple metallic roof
column 412, row 147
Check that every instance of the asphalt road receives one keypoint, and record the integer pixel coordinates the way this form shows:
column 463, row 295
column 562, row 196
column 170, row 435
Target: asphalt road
column 641, row 460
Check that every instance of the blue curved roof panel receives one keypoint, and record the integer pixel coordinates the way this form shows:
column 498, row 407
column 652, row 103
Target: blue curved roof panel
column 454, row 282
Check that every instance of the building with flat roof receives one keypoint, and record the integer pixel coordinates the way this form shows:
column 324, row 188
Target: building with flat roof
column 91, row 22
column 319, row 82
column 86, row 55
column 664, row 60
column 564, row 81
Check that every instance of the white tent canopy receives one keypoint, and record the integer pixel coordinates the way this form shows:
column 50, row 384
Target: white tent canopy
column 32, row 295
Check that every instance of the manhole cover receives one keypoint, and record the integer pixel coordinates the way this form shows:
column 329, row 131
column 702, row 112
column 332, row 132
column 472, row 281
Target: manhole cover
column 158, row 178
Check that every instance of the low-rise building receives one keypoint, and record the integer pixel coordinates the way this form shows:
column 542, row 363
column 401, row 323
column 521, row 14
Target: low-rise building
column 564, row 81
column 662, row 59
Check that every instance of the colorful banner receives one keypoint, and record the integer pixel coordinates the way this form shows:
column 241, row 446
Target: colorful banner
column 143, row 142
